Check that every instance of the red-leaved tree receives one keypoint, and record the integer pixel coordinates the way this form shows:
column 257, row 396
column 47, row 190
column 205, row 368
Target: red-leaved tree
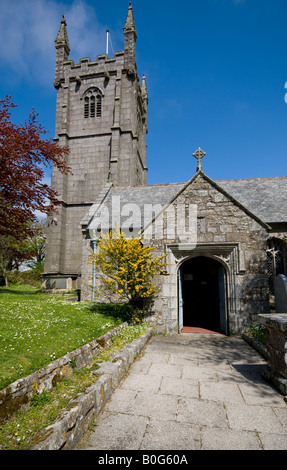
column 24, row 154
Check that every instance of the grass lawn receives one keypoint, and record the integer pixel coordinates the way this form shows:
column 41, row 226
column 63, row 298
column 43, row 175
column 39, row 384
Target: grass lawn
column 37, row 328
column 19, row 432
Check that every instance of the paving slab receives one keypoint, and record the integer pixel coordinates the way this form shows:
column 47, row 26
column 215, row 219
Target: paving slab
column 193, row 391
column 171, row 435
column 224, row 391
column 202, row 413
column 111, row 435
column 256, row 418
column 229, row 439
column 179, row 387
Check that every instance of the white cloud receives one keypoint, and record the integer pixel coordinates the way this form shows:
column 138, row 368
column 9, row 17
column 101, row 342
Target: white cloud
column 28, row 29
column 25, row 30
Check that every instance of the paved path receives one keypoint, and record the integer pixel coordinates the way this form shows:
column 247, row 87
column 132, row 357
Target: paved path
column 193, row 392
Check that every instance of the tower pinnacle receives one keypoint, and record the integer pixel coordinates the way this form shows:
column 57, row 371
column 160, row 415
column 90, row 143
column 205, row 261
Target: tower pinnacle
column 130, row 39
column 130, row 22
column 144, row 88
column 62, row 37
column 62, row 50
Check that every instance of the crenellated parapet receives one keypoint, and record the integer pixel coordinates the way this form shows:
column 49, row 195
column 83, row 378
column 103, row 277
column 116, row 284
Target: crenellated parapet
column 103, row 66
column 124, row 60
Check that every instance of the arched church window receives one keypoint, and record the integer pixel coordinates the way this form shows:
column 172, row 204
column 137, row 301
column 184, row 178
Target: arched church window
column 92, row 105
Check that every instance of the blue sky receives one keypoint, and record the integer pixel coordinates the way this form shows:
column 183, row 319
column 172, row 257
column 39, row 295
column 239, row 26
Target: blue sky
column 216, row 72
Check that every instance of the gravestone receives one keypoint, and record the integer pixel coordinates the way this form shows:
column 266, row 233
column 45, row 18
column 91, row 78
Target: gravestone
column 281, row 293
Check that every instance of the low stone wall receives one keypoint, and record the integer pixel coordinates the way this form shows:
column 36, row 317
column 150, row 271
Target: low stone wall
column 257, row 345
column 276, row 328
column 70, row 426
column 17, row 396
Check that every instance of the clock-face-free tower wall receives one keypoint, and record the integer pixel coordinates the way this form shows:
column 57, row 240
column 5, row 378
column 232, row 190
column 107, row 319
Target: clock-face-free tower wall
column 101, row 115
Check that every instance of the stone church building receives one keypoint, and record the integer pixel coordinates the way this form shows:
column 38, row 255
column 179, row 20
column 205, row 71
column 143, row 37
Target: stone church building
column 224, row 240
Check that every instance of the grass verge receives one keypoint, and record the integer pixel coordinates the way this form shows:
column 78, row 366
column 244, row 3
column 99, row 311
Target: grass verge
column 17, row 434
column 37, row 328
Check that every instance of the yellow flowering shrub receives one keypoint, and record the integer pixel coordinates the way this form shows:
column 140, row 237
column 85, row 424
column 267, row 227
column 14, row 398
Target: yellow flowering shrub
column 128, row 267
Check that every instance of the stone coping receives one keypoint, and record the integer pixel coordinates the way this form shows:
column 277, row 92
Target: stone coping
column 71, row 424
column 276, row 326
column 274, row 320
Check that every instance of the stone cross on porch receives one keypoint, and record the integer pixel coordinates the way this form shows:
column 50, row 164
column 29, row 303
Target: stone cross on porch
column 199, row 154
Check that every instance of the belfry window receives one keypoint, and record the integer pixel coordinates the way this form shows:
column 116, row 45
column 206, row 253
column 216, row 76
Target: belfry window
column 87, row 107
column 99, row 105
column 92, row 106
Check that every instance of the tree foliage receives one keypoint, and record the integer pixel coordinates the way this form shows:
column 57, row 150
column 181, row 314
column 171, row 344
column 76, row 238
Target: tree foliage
column 12, row 254
column 35, row 248
column 30, row 251
column 127, row 268
column 24, row 154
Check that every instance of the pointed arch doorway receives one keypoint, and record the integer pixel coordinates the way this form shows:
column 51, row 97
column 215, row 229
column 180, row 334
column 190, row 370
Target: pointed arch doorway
column 202, row 295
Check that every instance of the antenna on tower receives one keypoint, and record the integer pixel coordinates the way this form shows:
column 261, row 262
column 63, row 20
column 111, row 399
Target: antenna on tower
column 109, row 41
column 107, row 45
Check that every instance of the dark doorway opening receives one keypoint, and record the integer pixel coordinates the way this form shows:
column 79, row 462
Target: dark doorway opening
column 202, row 295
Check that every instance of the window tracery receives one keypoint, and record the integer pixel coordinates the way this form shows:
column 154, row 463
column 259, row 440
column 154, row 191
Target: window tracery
column 92, row 103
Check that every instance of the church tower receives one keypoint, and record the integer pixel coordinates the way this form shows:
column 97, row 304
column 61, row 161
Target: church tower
column 101, row 115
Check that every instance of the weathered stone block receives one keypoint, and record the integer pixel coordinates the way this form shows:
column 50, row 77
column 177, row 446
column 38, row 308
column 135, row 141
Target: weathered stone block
column 276, row 326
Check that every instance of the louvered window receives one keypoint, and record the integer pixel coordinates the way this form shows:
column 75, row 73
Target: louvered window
column 92, row 106
column 99, row 105
column 87, row 107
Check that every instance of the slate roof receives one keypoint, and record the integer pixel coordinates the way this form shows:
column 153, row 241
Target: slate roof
column 150, row 194
column 266, row 198
column 160, row 194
